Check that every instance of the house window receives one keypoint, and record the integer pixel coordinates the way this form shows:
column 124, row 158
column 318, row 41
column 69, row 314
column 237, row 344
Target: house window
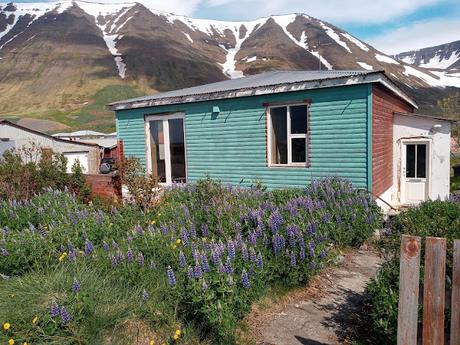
column 288, row 135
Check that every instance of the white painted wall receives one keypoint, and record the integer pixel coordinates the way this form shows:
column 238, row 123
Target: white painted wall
column 409, row 126
column 23, row 138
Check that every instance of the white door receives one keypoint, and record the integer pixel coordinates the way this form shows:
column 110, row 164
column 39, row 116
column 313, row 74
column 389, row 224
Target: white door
column 165, row 141
column 415, row 177
column 81, row 157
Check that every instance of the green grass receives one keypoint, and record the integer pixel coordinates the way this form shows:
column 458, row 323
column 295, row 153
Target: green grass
column 454, row 181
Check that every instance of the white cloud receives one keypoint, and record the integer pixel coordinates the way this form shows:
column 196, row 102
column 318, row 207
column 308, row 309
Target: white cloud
column 418, row 35
column 341, row 11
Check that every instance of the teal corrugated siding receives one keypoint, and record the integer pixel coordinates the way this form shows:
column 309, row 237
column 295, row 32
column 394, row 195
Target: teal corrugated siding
column 232, row 145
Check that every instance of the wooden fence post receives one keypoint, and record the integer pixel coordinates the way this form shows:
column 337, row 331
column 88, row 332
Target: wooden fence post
column 455, row 310
column 434, row 291
column 409, row 277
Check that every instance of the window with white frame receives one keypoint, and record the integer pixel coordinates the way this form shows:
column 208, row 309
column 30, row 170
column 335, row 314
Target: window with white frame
column 288, row 135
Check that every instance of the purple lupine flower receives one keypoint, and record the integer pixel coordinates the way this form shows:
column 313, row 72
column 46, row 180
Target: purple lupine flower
column 293, row 260
column 291, row 234
column 275, row 221
column 139, row 230
column 105, row 246
column 197, row 272
column 245, row 280
column 182, row 260
column 244, row 252
column 114, row 244
column 259, row 262
column 120, row 257
column 76, row 286
column 204, row 230
column 55, row 311
column 338, row 219
column 72, row 255
column 205, row 285
column 190, row 272
column 145, row 295
column 302, row 253
column 129, row 255
column 326, row 218
column 184, row 235
column 129, row 238
column 323, row 254
column 215, row 256
column 171, row 276
column 205, row 263
column 140, row 259
column 164, row 229
column 231, row 249
column 252, row 255
column 260, row 229
column 311, row 248
column 228, row 266
column 4, row 252
column 311, row 228
column 65, row 316
column 252, row 238
column 113, row 261
column 89, row 248
column 192, row 230
column 195, row 252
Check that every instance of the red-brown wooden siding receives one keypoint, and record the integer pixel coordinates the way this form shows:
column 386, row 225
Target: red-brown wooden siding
column 384, row 104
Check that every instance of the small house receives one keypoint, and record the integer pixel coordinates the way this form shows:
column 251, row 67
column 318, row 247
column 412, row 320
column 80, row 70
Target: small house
column 13, row 136
column 287, row 128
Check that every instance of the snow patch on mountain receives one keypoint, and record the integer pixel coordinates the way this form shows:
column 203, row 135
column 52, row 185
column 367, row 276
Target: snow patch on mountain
column 438, row 61
column 354, row 40
column 386, row 59
column 411, row 71
column 35, row 10
column 332, row 34
column 188, row 37
column 365, row 66
column 108, row 11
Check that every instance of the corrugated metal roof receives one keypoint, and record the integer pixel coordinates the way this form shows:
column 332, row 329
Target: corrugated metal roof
column 278, row 81
column 263, row 79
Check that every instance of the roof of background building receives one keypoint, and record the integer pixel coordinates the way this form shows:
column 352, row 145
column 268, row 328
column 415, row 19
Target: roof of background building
column 83, row 133
column 261, row 84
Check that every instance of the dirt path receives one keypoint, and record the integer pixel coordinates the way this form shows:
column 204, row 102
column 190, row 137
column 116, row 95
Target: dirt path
column 322, row 313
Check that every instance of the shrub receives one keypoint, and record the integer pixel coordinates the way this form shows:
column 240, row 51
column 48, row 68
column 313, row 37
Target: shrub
column 431, row 218
column 202, row 257
column 30, row 170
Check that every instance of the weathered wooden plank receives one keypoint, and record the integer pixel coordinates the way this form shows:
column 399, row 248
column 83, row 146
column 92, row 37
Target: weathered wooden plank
column 409, row 276
column 434, row 291
column 455, row 311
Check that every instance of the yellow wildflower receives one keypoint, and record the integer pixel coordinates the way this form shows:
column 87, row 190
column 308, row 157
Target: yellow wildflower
column 25, row 343
column 178, row 241
column 11, row 341
column 81, row 252
column 178, row 332
column 152, row 342
column 34, row 320
column 174, row 246
column 175, row 337
column 63, row 256
column 12, row 295
column 153, row 222
column 6, row 326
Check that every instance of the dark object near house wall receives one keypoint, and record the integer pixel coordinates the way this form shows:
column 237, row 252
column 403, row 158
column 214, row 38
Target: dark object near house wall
column 456, row 170
column 107, row 165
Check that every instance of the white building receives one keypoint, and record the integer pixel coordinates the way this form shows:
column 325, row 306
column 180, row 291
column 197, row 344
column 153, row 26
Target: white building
column 13, row 136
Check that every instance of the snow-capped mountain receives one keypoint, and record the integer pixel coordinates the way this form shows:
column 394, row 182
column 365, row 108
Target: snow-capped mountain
column 444, row 56
column 57, row 55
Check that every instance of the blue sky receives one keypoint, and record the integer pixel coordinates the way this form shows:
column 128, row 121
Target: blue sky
column 389, row 25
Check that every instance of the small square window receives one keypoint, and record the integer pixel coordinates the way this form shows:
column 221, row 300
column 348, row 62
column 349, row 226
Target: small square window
column 288, row 135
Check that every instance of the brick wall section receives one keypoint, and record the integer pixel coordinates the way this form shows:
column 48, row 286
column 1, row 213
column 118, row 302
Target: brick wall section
column 106, row 186
column 384, row 104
